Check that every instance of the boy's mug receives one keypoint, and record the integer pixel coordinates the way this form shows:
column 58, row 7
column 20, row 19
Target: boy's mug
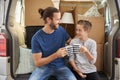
column 76, row 48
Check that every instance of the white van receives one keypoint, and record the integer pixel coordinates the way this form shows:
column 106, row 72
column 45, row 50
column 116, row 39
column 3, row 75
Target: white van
column 19, row 20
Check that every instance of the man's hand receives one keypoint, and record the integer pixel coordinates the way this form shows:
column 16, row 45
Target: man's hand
column 61, row 52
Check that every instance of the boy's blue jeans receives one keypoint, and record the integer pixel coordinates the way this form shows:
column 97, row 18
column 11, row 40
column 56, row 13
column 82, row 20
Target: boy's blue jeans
column 43, row 73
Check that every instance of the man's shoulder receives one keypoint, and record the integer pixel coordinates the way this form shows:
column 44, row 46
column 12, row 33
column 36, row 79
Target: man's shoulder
column 37, row 33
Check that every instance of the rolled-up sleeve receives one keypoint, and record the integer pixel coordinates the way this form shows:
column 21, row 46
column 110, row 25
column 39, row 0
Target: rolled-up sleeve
column 35, row 45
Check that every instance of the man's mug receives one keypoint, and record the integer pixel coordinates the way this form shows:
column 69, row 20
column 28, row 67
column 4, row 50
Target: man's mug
column 76, row 48
column 69, row 49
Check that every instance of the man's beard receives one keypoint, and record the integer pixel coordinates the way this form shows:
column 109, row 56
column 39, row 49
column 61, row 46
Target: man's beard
column 53, row 26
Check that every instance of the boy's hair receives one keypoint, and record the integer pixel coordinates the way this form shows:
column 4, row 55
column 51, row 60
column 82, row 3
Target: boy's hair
column 86, row 24
column 47, row 12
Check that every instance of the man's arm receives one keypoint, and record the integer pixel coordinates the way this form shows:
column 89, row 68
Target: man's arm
column 39, row 61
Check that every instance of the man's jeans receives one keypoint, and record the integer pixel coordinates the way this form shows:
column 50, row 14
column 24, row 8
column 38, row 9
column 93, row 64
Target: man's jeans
column 43, row 73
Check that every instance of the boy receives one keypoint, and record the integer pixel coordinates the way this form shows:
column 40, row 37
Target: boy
column 83, row 61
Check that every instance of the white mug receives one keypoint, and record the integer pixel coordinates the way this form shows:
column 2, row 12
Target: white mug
column 76, row 48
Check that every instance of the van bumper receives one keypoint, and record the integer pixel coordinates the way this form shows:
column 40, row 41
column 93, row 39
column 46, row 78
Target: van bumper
column 117, row 69
column 8, row 77
column 4, row 66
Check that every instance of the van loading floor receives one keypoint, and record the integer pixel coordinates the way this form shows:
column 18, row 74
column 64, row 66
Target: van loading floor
column 26, row 77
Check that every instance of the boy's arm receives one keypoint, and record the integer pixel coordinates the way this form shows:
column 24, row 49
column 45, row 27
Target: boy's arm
column 77, row 70
column 91, row 54
column 86, row 51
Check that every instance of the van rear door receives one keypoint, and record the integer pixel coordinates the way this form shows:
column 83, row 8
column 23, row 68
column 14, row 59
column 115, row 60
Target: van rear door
column 7, row 11
column 112, row 33
column 117, row 46
column 13, row 46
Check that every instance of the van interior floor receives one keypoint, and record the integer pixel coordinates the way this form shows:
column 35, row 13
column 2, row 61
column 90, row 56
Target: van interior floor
column 26, row 76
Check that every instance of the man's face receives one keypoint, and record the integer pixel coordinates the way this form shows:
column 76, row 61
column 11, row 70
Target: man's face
column 55, row 21
column 80, row 32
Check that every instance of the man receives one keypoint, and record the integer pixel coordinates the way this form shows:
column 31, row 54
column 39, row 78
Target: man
column 48, row 48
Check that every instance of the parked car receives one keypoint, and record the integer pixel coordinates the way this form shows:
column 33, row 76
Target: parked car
column 14, row 37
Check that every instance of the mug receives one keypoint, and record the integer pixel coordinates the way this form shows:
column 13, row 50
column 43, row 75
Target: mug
column 69, row 50
column 76, row 48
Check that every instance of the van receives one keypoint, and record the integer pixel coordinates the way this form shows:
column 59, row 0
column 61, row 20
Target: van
column 19, row 20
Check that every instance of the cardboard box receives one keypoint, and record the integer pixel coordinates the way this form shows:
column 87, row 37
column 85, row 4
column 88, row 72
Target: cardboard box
column 4, row 66
column 78, row 9
column 32, row 17
column 80, row 0
column 99, row 61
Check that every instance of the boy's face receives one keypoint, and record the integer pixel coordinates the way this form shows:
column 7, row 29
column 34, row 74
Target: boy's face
column 80, row 32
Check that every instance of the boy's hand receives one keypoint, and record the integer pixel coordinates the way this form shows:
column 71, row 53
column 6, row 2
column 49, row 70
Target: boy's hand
column 87, row 53
column 80, row 73
column 83, row 49
column 61, row 52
